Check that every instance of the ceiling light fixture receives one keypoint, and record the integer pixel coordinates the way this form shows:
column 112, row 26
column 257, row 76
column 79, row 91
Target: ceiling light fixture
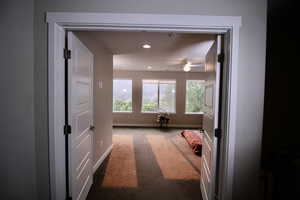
column 146, row 46
column 187, row 67
column 149, row 67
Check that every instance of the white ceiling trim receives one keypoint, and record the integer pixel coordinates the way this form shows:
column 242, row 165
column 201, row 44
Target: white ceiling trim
column 113, row 21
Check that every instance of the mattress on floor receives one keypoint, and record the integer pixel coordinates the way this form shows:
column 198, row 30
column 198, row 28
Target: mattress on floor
column 194, row 139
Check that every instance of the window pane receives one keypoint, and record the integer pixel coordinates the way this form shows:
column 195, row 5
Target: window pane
column 150, row 95
column 167, row 92
column 122, row 95
column 194, row 96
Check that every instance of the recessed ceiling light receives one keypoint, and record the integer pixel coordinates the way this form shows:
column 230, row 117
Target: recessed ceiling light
column 149, row 67
column 146, row 46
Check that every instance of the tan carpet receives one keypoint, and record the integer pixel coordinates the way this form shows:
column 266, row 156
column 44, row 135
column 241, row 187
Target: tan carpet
column 121, row 168
column 155, row 167
column 184, row 147
column 171, row 162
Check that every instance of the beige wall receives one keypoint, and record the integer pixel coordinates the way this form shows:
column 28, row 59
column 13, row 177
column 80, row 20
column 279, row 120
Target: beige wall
column 103, row 71
column 179, row 119
column 210, row 59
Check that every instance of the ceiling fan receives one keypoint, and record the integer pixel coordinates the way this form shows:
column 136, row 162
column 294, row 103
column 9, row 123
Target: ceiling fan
column 188, row 66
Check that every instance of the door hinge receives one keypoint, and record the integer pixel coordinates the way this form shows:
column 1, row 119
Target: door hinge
column 67, row 54
column 218, row 133
column 221, row 57
column 67, row 129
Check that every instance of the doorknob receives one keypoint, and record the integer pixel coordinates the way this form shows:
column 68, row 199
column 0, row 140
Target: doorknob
column 92, row 128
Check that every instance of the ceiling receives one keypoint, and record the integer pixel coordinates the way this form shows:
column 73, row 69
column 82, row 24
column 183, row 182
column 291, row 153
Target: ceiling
column 168, row 52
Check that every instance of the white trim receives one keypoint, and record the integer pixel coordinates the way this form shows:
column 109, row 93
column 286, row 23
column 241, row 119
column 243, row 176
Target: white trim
column 229, row 142
column 157, row 112
column 102, row 158
column 51, row 114
column 157, row 125
column 128, row 21
column 150, row 112
column 122, row 112
column 144, row 22
column 195, row 113
column 56, row 112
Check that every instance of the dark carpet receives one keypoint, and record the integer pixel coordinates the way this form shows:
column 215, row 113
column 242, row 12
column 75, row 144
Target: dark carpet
column 144, row 171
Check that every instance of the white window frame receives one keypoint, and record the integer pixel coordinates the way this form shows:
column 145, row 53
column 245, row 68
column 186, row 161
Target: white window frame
column 229, row 25
column 158, row 95
column 191, row 113
column 126, row 79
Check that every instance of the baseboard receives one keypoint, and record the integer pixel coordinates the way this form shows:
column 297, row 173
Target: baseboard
column 157, row 125
column 102, row 158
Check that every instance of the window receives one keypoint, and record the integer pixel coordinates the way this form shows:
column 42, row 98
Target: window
column 159, row 96
column 150, row 96
column 194, row 99
column 167, row 96
column 122, row 96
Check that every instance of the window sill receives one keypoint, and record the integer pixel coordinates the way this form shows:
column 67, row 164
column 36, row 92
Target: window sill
column 125, row 112
column 198, row 113
column 170, row 113
column 149, row 112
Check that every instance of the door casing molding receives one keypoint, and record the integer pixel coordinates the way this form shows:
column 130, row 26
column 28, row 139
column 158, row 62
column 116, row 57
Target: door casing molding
column 138, row 22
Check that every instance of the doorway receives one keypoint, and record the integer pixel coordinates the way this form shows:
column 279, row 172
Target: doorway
column 59, row 22
column 183, row 66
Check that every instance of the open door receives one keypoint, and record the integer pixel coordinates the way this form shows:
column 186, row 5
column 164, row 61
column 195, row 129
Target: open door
column 211, row 121
column 80, row 114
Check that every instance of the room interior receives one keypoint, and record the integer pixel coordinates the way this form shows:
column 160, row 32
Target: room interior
column 25, row 70
column 154, row 89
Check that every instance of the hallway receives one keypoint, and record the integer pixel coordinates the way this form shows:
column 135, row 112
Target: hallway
column 148, row 163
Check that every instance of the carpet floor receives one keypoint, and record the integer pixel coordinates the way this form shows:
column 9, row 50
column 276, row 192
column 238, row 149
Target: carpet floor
column 146, row 164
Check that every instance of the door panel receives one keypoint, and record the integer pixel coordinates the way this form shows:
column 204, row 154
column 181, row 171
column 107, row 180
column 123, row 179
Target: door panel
column 206, row 178
column 210, row 122
column 207, row 157
column 208, row 125
column 81, row 117
column 82, row 156
column 83, row 123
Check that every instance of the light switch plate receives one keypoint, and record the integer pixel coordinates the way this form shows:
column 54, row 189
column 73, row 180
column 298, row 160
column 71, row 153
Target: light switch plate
column 100, row 84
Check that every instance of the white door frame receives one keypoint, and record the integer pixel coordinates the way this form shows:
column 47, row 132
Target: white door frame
column 137, row 22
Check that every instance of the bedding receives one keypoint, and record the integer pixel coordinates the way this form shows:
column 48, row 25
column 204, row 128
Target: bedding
column 194, row 139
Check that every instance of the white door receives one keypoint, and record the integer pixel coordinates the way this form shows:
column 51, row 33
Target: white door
column 80, row 72
column 210, row 123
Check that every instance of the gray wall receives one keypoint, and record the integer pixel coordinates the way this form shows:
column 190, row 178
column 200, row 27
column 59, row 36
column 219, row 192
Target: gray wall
column 17, row 143
column 103, row 71
column 179, row 119
column 250, row 83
